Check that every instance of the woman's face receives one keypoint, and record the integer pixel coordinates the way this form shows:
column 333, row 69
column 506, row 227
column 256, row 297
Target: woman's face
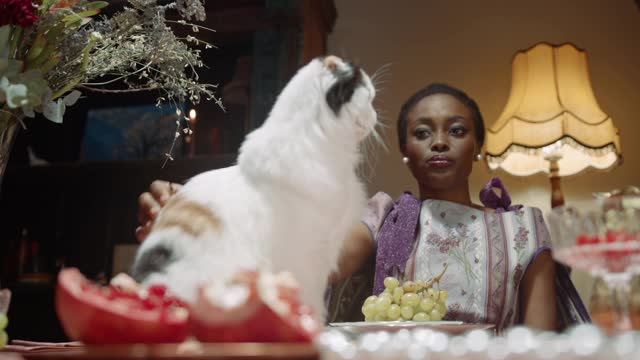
column 441, row 142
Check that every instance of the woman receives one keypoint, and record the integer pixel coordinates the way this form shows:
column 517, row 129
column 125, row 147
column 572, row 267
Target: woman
column 499, row 265
column 441, row 132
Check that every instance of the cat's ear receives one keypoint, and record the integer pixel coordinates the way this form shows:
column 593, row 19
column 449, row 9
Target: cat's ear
column 331, row 62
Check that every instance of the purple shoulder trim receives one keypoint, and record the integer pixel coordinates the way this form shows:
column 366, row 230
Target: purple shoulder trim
column 395, row 239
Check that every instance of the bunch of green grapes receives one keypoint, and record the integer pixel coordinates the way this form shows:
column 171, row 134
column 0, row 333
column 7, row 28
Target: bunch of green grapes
column 3, row 335
column 411, row 300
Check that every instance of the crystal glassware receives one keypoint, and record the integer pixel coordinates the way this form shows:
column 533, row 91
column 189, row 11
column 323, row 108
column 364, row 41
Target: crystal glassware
column 603, row 239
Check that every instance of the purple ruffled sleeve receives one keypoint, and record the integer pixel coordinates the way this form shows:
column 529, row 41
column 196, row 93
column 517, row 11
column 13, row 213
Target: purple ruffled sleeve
column 376, row 211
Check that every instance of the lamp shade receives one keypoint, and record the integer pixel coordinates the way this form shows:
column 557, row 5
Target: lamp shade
column 552, row 115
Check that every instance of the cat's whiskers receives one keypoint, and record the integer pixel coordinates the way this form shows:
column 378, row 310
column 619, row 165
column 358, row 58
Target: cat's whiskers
column 379, row 89
column 383, row 118
column 379, row 81
column 382, row 68
column 379, row 136
column 381, row 76
column 380, row 73
column 368, row 150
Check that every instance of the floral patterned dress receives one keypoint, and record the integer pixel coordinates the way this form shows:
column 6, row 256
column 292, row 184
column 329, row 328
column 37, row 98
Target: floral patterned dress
column 487, row 254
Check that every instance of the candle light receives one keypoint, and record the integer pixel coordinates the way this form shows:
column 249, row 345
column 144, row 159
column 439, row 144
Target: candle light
column 192, row 138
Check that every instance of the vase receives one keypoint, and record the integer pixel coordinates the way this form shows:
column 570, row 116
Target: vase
column 9, row 126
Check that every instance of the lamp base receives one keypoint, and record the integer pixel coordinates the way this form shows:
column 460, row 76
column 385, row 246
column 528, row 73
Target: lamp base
column 557, row 198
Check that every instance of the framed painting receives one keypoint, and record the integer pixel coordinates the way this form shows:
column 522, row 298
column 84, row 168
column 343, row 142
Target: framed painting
column 131, row 133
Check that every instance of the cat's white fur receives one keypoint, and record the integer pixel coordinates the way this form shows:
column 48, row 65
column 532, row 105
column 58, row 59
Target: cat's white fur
column 290, row 200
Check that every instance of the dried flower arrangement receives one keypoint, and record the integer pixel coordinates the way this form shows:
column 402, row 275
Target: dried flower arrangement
column 52, row 49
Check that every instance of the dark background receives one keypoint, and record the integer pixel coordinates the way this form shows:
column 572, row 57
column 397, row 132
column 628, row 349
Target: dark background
column 72, row 212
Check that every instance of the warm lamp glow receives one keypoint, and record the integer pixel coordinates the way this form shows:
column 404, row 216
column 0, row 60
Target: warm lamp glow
column 552, row 117
column 192, row 115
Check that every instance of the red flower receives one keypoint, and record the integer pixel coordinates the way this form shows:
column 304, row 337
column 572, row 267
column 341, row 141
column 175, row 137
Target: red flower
column 17, row 12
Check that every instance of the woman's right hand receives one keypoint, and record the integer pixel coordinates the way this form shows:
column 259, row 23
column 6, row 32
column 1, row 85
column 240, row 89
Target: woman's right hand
column 150, row 203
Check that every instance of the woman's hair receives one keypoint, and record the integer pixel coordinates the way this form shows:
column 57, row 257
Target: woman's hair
column 438, row 88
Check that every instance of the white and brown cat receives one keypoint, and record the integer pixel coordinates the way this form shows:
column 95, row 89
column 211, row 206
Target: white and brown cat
column 288, row 203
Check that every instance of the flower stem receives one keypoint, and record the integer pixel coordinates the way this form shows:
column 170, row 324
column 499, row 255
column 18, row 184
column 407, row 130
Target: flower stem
column 16, row 39
column 8, row 131
column 5, row 39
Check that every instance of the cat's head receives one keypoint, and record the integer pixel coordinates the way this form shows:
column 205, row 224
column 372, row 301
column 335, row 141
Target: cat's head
column 334, row 91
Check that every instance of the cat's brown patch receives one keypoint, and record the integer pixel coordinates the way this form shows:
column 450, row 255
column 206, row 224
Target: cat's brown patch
column 193, row 218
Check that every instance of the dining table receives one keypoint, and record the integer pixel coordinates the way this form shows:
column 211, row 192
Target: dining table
column 359, row 340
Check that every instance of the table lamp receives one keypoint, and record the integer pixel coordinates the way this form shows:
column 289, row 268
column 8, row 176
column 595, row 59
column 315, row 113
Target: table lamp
column 552, row 122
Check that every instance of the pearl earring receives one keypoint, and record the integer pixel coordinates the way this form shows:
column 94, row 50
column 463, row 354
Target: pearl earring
column 478, row 157
column 405, row 160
